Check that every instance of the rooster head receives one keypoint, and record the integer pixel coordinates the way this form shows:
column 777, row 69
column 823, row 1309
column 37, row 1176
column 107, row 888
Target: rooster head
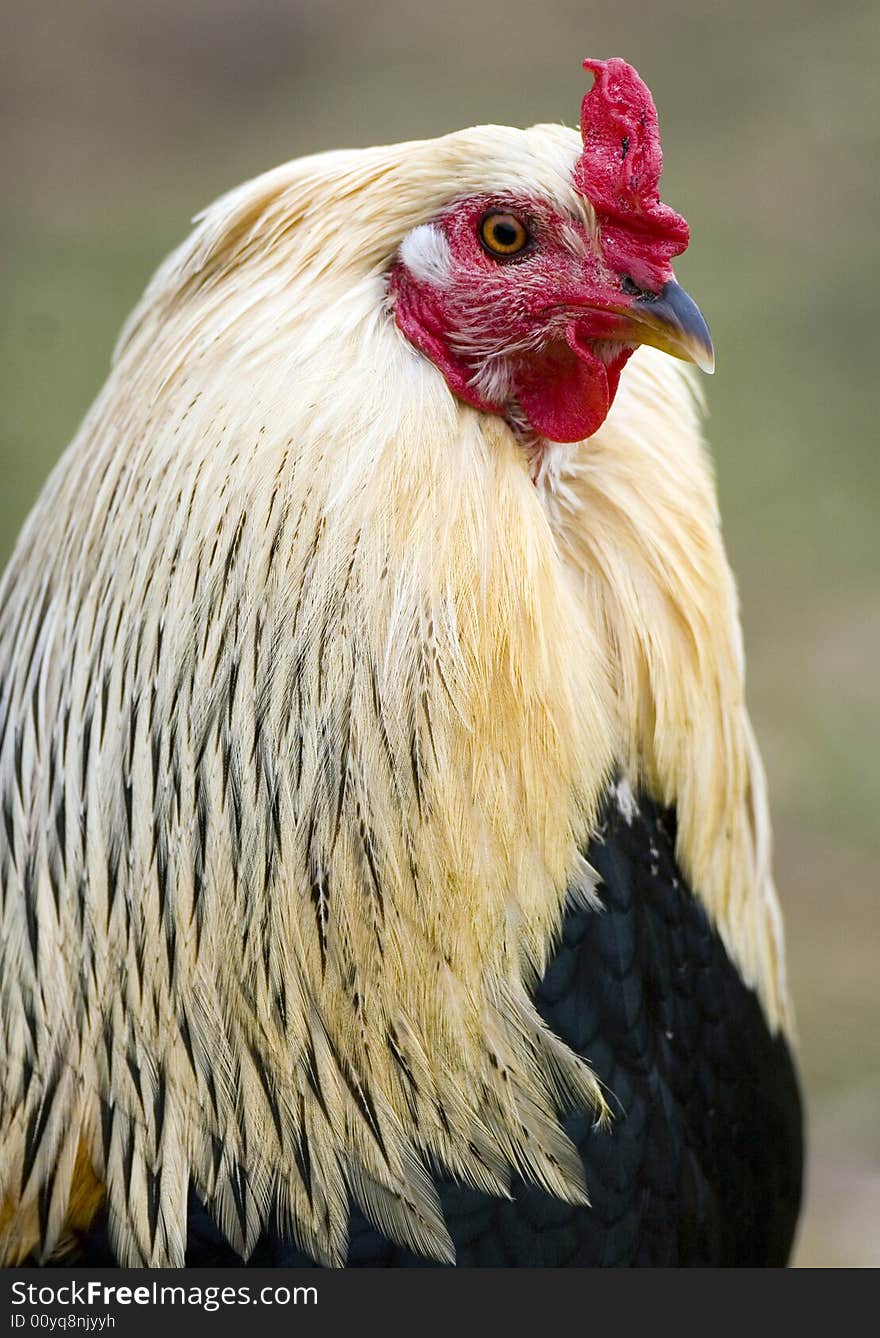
column 531, row 309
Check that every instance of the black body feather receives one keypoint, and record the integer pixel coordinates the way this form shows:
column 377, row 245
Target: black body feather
column 702, row 1162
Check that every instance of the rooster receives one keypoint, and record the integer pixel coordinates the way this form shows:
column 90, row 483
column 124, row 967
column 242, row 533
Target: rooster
column 384, row 855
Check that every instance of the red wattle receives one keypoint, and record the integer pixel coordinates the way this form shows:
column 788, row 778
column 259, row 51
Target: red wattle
column 566, row 393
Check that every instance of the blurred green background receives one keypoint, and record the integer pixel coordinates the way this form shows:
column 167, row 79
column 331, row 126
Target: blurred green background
column 120, row 119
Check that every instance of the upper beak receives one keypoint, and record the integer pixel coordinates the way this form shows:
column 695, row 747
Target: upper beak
column 673, row 322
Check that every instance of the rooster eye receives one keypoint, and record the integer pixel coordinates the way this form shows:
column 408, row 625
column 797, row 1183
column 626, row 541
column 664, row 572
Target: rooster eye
column 503, row 234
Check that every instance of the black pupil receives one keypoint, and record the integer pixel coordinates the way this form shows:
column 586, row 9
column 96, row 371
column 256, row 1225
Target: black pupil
column 505, row 234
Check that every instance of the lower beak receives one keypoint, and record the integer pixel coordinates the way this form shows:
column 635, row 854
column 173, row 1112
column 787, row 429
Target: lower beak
column 673, row 322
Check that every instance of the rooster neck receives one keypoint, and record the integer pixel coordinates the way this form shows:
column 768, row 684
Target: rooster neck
column 635, row 518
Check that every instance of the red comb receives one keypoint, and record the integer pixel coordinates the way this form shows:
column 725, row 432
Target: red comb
column 619, row 170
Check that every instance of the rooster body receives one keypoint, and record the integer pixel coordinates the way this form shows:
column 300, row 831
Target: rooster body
column 355, row 738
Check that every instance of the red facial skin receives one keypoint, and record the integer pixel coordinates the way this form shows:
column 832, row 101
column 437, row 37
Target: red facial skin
column 535, row 317
column 530, row 336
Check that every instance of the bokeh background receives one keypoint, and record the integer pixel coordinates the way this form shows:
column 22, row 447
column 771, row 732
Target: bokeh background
column 120, row 119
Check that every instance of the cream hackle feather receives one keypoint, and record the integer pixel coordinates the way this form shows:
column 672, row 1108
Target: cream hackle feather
column 309, row 693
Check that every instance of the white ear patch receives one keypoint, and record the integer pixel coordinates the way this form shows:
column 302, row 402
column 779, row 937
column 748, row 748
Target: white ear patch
column 425, row 253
